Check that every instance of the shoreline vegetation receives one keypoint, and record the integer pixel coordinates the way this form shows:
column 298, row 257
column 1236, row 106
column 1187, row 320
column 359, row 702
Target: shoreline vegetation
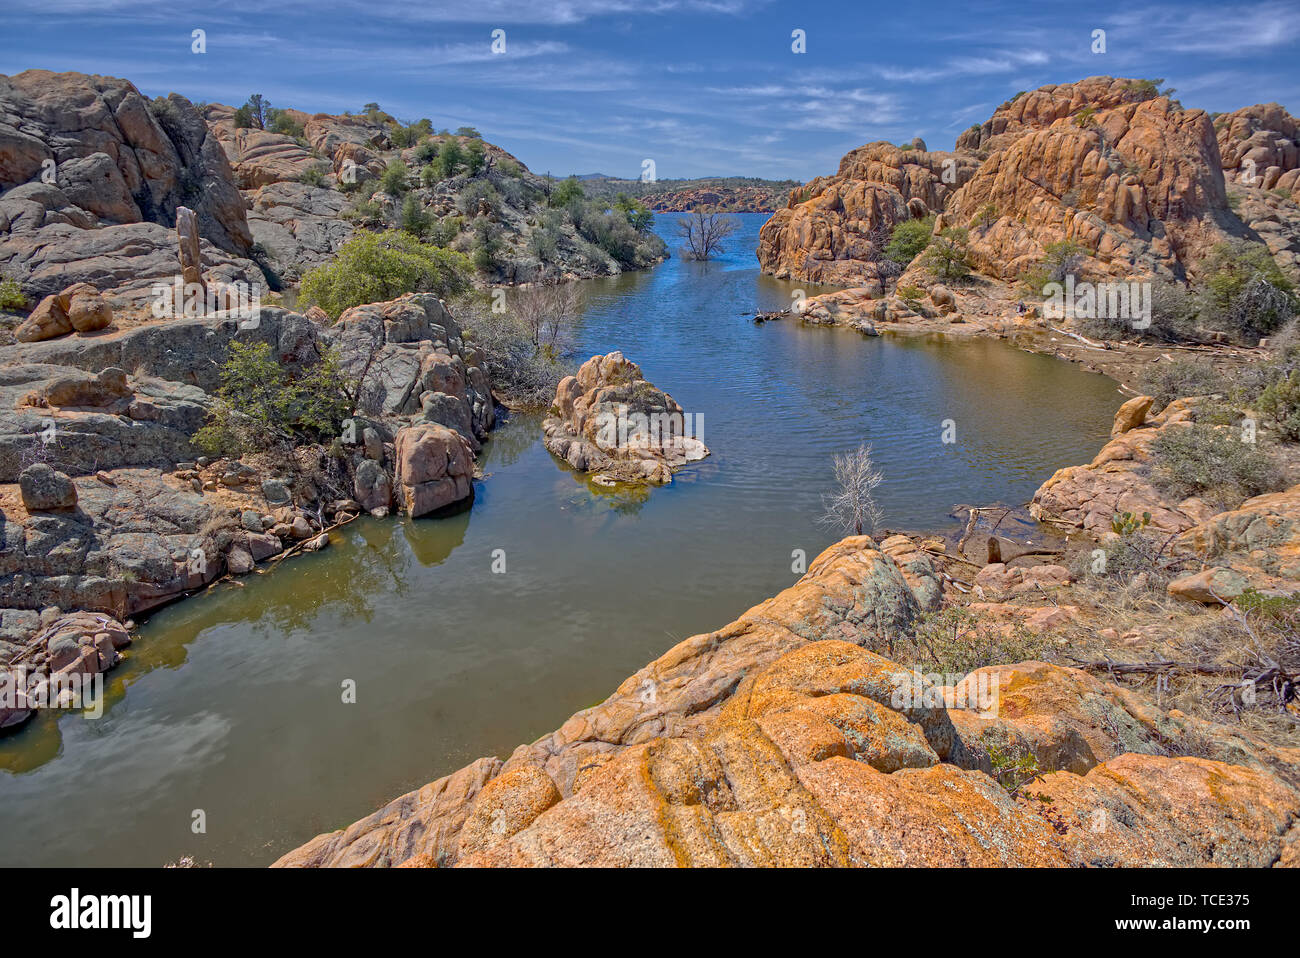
column 1137, row 639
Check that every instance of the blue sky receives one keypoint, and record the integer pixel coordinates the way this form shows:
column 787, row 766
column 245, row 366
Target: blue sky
column 700, row 86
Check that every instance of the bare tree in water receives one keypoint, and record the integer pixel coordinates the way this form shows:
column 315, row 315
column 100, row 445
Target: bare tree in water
column 549, row 312
column 852, row 506
column 703, row 231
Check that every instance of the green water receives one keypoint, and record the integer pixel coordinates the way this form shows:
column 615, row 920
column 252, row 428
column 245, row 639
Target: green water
column 232, row 702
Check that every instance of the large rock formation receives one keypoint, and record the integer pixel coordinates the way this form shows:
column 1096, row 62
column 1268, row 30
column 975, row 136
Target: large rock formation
column 1109, row 164
column 1137, row 185
column 87, row 164
column 608, row 420
column 833, row 230
column 780, row 740
column 1260, row 147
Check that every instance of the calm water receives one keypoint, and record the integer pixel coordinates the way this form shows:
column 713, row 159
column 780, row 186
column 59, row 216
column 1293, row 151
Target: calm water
column 231, row 703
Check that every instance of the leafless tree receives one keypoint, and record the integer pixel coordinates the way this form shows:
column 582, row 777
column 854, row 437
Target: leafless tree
column 852, row 506
column 703, row 232
column 549, row 311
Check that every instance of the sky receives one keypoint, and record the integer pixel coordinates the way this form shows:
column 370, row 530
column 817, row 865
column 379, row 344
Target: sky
column 700, row 87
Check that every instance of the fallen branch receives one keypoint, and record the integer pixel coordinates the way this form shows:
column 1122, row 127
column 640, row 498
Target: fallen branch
column 1083, row 339
column 1150, row 668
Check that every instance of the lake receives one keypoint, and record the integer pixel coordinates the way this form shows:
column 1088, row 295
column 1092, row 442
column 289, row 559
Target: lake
column 231, row 703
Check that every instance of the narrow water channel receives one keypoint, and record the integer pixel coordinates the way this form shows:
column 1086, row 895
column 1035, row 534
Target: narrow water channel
column 231, row 703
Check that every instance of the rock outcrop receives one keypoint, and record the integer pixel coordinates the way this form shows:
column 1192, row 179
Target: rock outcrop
column 833, row 230
column 721, row 199
column 781, row 740
column 1109, row 164
column 1260, row 147
column 107, row 506
column 88, row 165
column 1089, row 497
column 609, row 421
column 41, row 673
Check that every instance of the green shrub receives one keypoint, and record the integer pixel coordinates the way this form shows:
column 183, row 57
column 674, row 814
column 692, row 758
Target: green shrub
column 543, row 243
column 395, row 179
column 368, row 212
column 11, row 295
column 450, row 159
column 279, row 121
column 404, row 136
column 1213, row 463
column 565, row 192
column 956, row 641
column 909, row 239
column 473, row 194
column 1281, row 403
column 475, row 157
column 487, row 246
column 261, row 404
column 987, row 215
column 1246, row 292
column 947, row 257
column 426, row 152
column 312, row 176
column 442, row 232
column 414, row 219
column 373, row 267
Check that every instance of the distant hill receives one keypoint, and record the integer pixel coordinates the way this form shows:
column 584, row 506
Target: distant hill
column 730, row 194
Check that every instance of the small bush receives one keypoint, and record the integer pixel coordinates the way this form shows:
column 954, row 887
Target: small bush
column 450, row 159
column 543, row 243
column 443, row 232
column 426, row 152
column 1281, row 403
column 395, row 179
column 474, row 194
column 486, row 252
column 312, row 176
column 566, row 192
column 262, row 404
column 475, row 157
column 526, row 376
column 374, row 267
column 946, row 257
column 1246, row 292
column 956, row 641
column 909, row 239
column 1207, row 461
column 11, row 295
column 279, row 121
column 1166, row 382
column 414, row 219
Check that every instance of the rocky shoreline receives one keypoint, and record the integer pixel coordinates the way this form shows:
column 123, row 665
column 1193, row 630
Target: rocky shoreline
column 780, row 739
